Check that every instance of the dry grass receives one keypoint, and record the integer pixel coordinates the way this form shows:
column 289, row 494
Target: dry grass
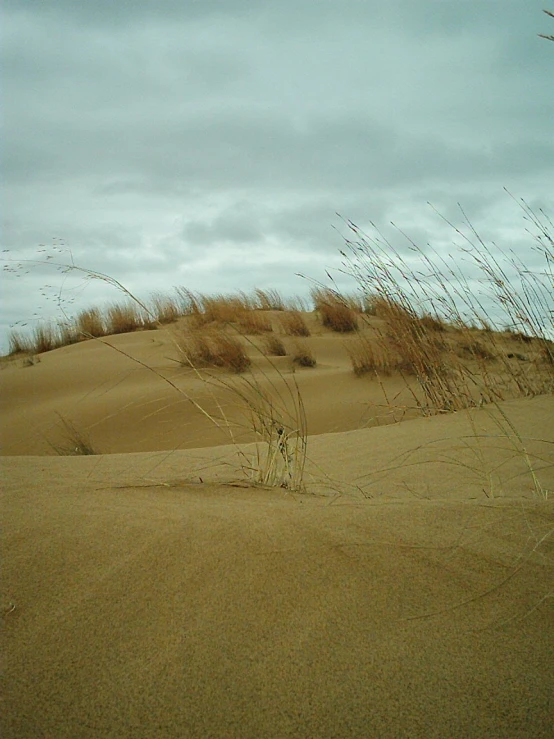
column 74, row 441
column 213, row 348
column 90, row 323
column 475, row 348
column 18, row 343
column 273, row 346
column 45, row 337
column 373, row 357
column 222, row 309
column 454, row 367
column 302, row 355
column 334, row 311
column 269, row 300
column 122, row 318
column 254, row 323
column 294, row 324
column 165, row 309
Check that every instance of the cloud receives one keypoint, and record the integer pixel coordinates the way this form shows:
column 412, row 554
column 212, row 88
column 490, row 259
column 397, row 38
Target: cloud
column 213, row 141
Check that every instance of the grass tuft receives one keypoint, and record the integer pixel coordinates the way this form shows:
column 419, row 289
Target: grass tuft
column 122, row 318
column 273, row 346
column 254, row 323
column 18, row 343
column 75, row 442
column 334, row 311
column 213, row 349
column 302, row 355
column 294, row 324
column 90, row 323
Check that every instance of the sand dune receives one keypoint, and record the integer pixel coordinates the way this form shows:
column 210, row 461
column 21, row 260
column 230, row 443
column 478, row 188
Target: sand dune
column 153, row 591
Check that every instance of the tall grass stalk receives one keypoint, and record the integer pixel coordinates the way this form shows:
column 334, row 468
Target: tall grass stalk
column 418, row 292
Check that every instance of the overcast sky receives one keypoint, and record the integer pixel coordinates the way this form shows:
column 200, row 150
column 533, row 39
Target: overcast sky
column 210, row 143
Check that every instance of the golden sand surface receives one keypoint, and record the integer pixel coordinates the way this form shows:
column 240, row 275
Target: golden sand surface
column 153, row 591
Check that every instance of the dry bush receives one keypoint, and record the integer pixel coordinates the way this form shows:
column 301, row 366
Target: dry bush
column 164, row 308
column 303, row 355
column 123, row 318
column 293, row 324
column 273, row 346
column 254, row 322
column 90, row 323
column 269, row 300
column 333, row 310
column 213, row 349
column 18, row 343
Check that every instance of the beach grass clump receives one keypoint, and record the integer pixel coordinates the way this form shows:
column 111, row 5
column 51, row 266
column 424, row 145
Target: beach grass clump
column 75, row 442
column 334, row 311
column 90, row 323
column 475, row 348
column 302, row 355
column 45, row 337
column 274, row 346
column 372, row 357
column 223, row 308
column 18, row 343
column 164, row 309
column 122, row 318
column 213, row 348
column 269, row 299
column 254, row 322
column 423, row 295
column 293, row 323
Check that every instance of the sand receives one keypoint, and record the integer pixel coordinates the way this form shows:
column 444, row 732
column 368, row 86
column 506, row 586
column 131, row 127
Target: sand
column 153, row 591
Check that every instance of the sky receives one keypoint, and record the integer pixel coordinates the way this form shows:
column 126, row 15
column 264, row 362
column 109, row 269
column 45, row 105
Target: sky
column 211, row 143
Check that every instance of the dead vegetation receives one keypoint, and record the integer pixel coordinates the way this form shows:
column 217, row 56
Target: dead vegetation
column 213, row 348
column 302, row 355
column 294, row 324
column 456, row 352
column 274, row 346
column 334, row 311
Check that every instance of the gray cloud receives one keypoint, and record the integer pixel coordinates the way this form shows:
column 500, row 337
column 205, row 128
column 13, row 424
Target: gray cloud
column 211, row 143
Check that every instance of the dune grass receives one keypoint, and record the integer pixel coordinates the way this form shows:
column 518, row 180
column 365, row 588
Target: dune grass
column 302, row 355
column 74, row 442
column 441, row 327
column 334, row 311
column 274, row 346
column 451, row 336
column 213, row 348
column 294, row 324
column 253, row 322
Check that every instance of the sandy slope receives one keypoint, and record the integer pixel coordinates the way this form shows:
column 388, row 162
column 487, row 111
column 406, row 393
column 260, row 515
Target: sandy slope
column 123, row 406
column 407, row 593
